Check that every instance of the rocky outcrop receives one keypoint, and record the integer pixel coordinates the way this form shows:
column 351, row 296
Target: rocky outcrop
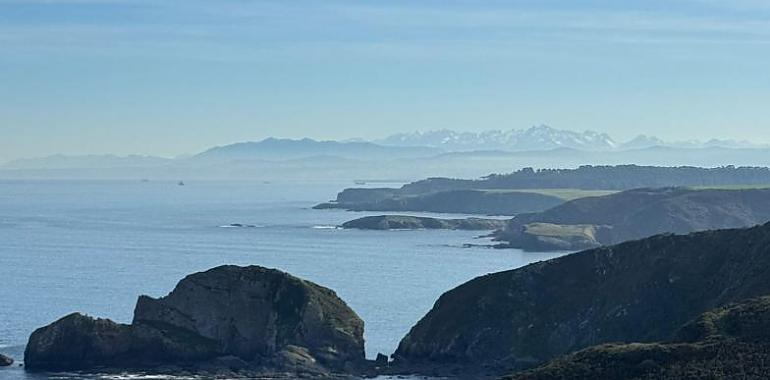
column 636, row 214
column 639, row 291
column 258, row 316
column 727, row 343
column 78, row 341
column 5, row 361
column 403, row 222
column 453, row 201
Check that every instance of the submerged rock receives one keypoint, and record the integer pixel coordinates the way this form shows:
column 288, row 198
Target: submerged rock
column 228, row 315
column 5, row 361
column 640, row 291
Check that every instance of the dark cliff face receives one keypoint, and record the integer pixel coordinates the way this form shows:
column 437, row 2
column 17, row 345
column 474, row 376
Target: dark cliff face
column 258, row 315
column 636, row 291
column 730, row 342
column 254, row 312
column 640, row 213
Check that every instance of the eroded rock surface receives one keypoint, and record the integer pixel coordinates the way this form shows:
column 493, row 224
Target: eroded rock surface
column 258, row 316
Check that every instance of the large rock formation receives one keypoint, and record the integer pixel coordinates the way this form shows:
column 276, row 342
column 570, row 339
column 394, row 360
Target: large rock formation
column 259, row 316
column 727, row 343
column 636, row 214
column 405, row 222
column 639, row 291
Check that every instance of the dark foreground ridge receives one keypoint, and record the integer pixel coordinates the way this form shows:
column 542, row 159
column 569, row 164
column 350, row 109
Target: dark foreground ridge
column 730, row 342
column 640, row 291
column 635, row 214
column 404, row 222
column 227, row 318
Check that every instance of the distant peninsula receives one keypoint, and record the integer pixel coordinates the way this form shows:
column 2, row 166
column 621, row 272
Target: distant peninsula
column 405, row 222
column 529, row 190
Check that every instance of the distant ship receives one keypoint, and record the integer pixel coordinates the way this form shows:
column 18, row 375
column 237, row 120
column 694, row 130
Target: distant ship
column 360, row 182
column 181, row 183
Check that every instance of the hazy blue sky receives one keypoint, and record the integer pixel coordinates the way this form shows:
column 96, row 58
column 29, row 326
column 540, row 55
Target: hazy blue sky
column 169, row 77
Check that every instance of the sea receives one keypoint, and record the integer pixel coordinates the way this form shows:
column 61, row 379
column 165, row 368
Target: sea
column 95, row 246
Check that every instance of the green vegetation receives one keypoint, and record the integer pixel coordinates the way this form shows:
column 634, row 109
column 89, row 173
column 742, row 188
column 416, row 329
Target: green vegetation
column 639, row 291
column 726, row 343
column 563, row 231
column 636, row 214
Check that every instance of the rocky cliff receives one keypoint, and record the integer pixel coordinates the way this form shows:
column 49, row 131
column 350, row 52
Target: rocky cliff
column 639, row 291
column 726, row 343
column 254, row 316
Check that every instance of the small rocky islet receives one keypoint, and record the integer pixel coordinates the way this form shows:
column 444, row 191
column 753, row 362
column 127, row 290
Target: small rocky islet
column 669, row 306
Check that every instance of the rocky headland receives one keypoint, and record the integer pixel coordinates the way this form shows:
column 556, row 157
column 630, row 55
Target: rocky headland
column 634, row 214
column 639, row 291
column 249, row 320
column 405, row 222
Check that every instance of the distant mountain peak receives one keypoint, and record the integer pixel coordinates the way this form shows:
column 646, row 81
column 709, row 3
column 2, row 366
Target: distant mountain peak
column 544, row 137
column 539, row 137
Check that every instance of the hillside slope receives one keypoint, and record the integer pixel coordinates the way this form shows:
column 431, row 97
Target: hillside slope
column 640, row 291
column 730, row 342
column 636, row 214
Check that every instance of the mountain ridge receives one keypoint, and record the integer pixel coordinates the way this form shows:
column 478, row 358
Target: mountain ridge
column 544, row 137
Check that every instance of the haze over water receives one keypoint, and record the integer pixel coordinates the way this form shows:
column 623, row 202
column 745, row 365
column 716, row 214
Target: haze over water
column 95, row 246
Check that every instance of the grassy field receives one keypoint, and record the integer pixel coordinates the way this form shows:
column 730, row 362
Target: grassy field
column 566, row 194
column 585, row 231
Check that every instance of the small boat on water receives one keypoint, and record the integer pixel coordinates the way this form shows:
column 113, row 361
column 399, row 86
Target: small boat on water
column 181, row 183
column 360, row 182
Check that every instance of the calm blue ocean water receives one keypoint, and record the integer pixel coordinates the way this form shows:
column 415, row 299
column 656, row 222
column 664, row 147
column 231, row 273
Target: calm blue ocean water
column 94, row 246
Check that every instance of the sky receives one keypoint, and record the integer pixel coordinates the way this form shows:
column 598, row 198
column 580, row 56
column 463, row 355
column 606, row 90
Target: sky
column 172, row 77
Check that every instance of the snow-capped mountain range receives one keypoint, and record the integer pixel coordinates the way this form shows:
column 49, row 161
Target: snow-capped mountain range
column 542, row 137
